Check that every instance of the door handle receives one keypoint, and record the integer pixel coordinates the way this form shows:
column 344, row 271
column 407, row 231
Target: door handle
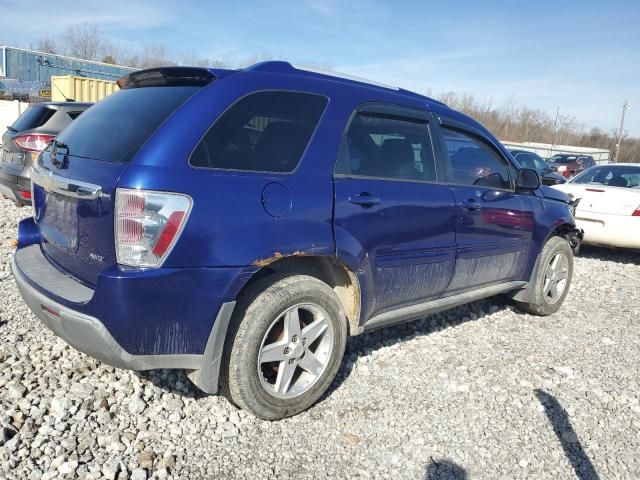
column 471, row 205
column 365, row 199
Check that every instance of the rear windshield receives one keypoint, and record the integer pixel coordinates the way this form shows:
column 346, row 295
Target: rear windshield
column 33, row 117
column 117, row 127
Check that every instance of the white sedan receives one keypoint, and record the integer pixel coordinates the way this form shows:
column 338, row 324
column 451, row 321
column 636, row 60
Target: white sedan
column 609, row 208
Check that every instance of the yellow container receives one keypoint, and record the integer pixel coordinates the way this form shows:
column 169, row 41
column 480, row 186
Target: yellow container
column 80, row 89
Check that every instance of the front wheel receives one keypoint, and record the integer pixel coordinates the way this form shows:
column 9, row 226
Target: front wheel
column 552, row 279
column 285, row 346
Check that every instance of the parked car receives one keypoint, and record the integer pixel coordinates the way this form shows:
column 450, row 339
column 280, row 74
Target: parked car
column 242, row 224
column 25, row 139
column 609, row 207
column 570, row 165
column 534, row 161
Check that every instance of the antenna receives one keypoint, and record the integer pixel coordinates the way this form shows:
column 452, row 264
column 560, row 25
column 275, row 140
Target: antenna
column 63, row 95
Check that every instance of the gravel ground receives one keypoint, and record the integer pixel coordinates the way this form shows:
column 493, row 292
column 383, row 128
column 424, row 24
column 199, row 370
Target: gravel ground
column 482, row 391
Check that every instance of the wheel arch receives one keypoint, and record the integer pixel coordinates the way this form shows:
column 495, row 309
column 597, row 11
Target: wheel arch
column 564, row 229
column 339, row 276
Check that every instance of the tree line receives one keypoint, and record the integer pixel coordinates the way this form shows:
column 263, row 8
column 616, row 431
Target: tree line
column 509, row 122
column 515, row 123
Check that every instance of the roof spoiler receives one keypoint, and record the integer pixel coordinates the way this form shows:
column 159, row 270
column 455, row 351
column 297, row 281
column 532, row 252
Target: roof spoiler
column 167, row 77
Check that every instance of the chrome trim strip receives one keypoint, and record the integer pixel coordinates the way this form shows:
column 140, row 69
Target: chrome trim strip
column 64, row 186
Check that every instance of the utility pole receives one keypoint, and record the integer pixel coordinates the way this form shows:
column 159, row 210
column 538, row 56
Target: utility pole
column 625, row 106
column 555, row 127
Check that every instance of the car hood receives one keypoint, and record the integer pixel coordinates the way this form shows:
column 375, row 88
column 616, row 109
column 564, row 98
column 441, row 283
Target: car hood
column 554, row 194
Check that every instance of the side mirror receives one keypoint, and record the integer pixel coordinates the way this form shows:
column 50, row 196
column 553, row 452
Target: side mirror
column 528, row 180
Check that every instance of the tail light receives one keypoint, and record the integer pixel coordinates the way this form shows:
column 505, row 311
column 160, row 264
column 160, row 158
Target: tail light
column 147, row 225
column 33, row 142
column 562, row 168
column 636, row 213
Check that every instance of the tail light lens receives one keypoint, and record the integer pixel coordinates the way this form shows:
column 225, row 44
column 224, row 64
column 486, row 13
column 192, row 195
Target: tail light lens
column 33, row 142
column 562, row 168
column 148, row 225
column 636, row 213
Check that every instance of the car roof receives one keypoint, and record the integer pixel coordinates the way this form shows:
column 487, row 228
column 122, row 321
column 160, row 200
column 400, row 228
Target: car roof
column 205, row 75
column 383, row 93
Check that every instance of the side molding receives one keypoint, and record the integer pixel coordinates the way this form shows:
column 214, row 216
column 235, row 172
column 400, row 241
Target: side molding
column 206, row 377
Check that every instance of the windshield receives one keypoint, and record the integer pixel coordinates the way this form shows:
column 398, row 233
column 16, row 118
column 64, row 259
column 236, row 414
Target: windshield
column 563, row 159
column 529, row 160
column 611, row 175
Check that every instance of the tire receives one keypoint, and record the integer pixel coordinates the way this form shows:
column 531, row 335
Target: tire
column 544, row 302
column 263, row 328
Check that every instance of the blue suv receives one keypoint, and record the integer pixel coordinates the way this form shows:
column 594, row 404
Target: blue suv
column 242, row 224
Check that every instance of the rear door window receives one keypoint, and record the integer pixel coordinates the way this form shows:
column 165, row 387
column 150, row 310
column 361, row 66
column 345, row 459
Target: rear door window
column 117, row 127
column 387, row 147
column 264, row 131
column 33, row 117
column 475, row 163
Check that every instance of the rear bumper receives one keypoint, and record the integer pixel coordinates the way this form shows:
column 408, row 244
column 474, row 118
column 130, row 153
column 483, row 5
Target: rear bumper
column 159, row 341
column 89, row 335
column 610, row 230
column 12, row 185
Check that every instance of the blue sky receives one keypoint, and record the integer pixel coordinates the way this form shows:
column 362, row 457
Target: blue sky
column 583, row 56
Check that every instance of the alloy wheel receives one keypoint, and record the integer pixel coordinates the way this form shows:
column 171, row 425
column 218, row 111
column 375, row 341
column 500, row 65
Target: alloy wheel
column 555, row 278
column 295, row 351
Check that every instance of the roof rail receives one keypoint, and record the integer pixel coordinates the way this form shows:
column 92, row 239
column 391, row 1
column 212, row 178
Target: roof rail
column 277, row 66
column 345, row 76
column 272, row 66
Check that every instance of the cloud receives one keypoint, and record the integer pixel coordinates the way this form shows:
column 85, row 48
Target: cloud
column 114, row 15
column 328, row 8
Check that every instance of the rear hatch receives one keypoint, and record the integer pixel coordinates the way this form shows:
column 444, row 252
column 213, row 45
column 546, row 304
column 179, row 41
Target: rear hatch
column 12, row 157
column 75, row 179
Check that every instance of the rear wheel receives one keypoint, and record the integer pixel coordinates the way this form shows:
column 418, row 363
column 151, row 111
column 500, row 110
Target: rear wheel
column 285, row 346
column 552, row 279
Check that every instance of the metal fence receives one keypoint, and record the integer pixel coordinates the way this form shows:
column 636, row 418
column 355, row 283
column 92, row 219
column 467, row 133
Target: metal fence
column 546, row 150
column 29, row 65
